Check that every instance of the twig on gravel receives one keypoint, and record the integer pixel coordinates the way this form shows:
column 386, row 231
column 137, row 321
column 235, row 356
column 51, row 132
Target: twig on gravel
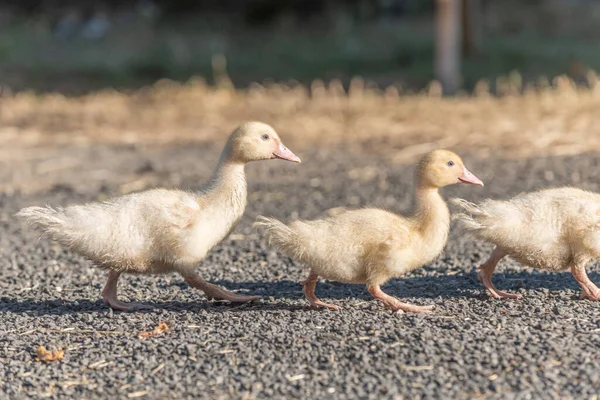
column 295, row 377
column 155, row 370
column 417, row 367
column 84, row 382
column 134, row 395
column 100, row 364
column 332, row 358
column 30, row 288
column 77, row 347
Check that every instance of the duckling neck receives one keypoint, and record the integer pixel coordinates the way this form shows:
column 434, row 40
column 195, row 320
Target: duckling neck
column 432, row 217
column 228, row 185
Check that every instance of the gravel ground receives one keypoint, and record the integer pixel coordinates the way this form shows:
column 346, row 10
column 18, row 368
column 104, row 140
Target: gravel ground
column 543, row 346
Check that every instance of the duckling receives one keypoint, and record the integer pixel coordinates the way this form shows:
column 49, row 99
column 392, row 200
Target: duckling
column 159, row 230
column 553, row 229
column 370, row 246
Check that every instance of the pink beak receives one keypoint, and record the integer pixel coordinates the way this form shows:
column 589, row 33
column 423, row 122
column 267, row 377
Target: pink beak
column 286, row 154
column 468, row 177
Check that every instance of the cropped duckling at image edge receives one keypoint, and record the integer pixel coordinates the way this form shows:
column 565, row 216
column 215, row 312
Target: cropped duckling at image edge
column 553, row 229
column 160, row 230
column 371, row 245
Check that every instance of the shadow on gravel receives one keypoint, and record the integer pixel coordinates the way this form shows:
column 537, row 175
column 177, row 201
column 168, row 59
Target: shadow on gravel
column 64, row 307
column 463, row 285
column 419, row 287
column 537, row 280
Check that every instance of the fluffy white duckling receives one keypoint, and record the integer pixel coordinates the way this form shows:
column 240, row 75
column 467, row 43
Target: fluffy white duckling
column 553, row 229
column 371, row 246
column 160, row 230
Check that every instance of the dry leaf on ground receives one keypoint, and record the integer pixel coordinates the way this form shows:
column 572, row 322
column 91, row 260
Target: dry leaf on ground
column 162, row 327
column 45, row 355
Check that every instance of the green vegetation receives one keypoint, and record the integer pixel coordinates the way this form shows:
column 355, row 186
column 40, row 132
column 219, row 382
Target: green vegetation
column 401, row 52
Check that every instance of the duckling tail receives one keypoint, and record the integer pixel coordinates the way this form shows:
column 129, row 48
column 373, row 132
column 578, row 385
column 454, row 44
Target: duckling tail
column 51, row 222
column 472, row 218
column 280, row 235
column 276, row 232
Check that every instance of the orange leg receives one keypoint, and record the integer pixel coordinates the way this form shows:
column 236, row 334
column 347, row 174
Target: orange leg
column 215, row 292
column 485, row 275
column 309, row 292
column 109, row 295
column 590, row 290
column 394, row 303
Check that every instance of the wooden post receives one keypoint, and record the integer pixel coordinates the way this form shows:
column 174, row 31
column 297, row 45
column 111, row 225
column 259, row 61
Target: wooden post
column 471, row 27
column 447, row 44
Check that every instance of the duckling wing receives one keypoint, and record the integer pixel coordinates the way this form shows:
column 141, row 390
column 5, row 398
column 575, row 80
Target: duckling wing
column 118, row 231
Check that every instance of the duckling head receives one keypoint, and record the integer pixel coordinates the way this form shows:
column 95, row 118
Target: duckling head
column 253, row 141
column 441, row 168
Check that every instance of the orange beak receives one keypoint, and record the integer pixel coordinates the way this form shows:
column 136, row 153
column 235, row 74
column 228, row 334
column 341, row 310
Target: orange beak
column 284, row 153
column 468, row 177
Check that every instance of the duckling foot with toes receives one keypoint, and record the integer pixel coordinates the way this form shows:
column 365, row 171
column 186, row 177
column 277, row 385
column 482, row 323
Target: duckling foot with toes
column 394, row 304
column 109, row 295
column 161, row 231
column 214, row 292
column 308, row 289
column 370, row 245
column 589, row 289
column 485, row 275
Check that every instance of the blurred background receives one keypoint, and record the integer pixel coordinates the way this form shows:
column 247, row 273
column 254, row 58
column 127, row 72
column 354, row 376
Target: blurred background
column 80, row 80
column 75, row 47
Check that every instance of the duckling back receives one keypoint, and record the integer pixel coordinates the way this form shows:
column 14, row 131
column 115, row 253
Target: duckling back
column 305, row 241
column 102, row 232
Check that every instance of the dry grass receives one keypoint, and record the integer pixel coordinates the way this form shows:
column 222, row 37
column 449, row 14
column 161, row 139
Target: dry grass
column 557, row 120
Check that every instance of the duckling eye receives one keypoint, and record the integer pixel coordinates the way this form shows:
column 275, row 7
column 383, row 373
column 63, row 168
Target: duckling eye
column 450, row 163
column 265, row 137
